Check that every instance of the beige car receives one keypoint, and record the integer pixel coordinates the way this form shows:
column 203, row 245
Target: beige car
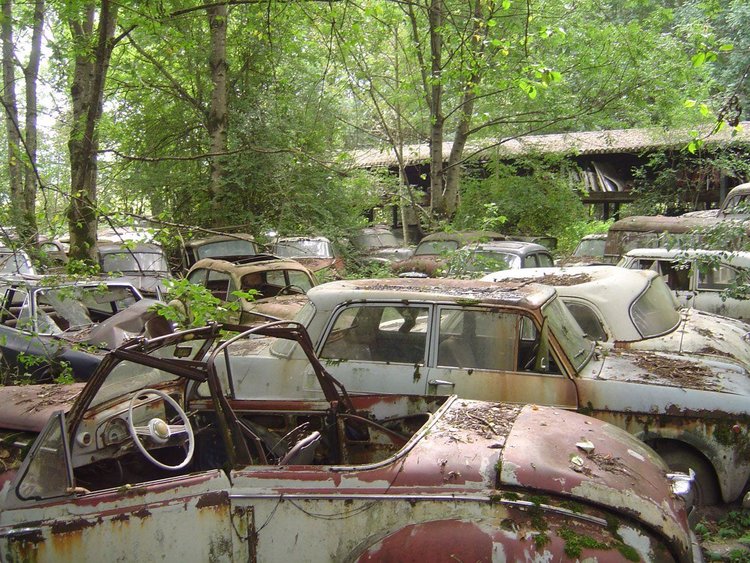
column 279, row 285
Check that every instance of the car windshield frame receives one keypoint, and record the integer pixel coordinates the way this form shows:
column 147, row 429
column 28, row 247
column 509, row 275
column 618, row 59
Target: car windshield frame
column 568, row 333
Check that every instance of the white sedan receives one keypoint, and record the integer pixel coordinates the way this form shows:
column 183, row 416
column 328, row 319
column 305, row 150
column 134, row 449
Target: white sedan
column 635, row 309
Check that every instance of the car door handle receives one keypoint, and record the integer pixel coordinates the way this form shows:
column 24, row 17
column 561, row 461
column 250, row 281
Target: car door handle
column 21, row 533
column 441, row 382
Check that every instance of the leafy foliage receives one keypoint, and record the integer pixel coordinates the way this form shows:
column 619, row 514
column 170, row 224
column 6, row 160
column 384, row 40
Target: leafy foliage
column 671, row 182
column 529, row 197
column 192, row 305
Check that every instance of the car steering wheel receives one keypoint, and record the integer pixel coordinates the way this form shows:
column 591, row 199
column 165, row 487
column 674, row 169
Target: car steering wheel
column 287, row 290
column 159, row 431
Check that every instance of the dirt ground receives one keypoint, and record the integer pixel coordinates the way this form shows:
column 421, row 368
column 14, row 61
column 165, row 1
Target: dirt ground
column 716, row 548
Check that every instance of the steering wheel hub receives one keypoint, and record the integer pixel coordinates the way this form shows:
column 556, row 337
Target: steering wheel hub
column 159, row 429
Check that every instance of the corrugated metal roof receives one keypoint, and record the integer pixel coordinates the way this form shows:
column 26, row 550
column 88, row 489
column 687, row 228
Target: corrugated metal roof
column 583, row 142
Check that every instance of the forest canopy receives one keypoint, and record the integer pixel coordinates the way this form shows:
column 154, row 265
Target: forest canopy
column 246, row 112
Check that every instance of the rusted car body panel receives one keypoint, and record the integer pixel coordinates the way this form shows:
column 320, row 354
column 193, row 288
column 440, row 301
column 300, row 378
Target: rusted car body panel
column 387, row 471
column 28, row 408
column 653, row 394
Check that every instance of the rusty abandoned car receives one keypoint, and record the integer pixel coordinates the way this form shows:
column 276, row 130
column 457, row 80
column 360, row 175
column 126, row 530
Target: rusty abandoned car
column 158, row 455
column 517, row 342
column 261, row 285
column 51, row 327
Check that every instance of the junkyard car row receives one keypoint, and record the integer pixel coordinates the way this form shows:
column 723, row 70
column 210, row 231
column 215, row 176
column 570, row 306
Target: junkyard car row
column 213, row 443
column 159, row 455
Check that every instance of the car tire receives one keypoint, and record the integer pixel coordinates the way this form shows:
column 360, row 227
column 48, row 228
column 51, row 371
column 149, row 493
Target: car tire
column 705, row 489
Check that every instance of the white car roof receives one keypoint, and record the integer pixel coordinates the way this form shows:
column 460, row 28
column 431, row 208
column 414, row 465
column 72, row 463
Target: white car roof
column 595, row 284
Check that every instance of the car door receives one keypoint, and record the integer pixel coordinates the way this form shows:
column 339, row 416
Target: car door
column 46, row 517
column 495, row 355
column 376, row 348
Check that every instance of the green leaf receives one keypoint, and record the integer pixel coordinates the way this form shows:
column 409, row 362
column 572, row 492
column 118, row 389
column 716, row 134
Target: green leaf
column 705, row 111
column 689, row 103
column 491, row 22
column 699, row 59
column 506, row 4
column 727, row 47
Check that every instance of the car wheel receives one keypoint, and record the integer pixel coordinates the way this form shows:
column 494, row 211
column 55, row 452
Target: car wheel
column 705, row 489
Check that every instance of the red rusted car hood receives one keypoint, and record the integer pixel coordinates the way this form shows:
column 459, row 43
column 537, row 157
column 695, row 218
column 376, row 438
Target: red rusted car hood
column 27, row 408
column 545, row 449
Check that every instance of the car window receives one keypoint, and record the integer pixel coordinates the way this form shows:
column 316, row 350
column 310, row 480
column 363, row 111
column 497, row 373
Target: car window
column 490, row 261
column 134, row 262
column 303, row 248
column 237, row 247
column 299, row 279
column 42, row 478
column 220, row 285
column 198, row 276
column 432, row 247
column 588, row 320
column 379, row 333
column 544, row 260
column 676, row 274
column 18, row 312
column 720, row 277
column 487, row 340
column 569, row 334
column 655, row 311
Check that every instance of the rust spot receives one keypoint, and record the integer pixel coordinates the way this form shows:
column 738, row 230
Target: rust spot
column 68, row 526
column 142, row 513
column 213, row 499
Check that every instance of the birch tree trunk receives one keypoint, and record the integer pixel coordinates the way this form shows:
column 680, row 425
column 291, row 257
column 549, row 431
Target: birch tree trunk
column 87, row 94
column 31, row 76
column 217, row 116
column 11, row 115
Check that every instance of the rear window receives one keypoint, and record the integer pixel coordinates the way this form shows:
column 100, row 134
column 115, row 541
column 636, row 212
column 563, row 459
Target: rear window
column 655, row 312
column 435, row 247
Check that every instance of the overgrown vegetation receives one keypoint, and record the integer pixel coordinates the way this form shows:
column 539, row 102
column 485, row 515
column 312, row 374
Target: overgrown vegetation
column 735, row 525
column 673, row 182
column 531, row 196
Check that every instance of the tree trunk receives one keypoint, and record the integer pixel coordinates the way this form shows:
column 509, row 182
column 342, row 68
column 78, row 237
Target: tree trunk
column 11, row 116
column 87, row 94
column 217, row 116
column 437, row 119
column 453, row 170
column 31, row 75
